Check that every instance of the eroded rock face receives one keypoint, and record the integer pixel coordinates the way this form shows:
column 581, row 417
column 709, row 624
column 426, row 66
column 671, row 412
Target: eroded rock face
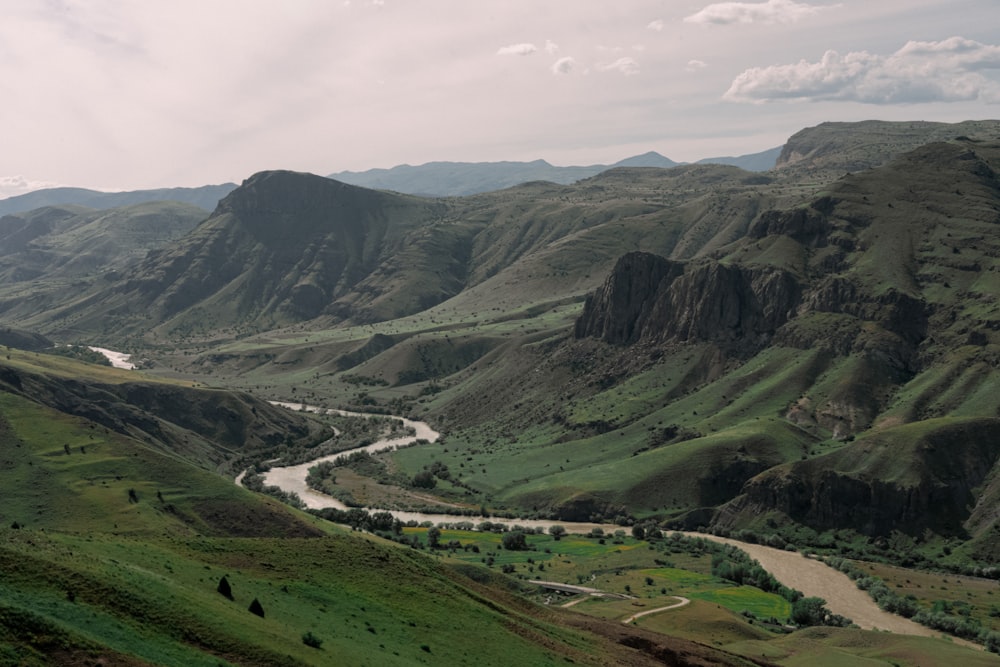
column 620, row 310
column 874, row 488
column 651, row 298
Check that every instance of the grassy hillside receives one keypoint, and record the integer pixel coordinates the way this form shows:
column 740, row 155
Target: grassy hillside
column 113, row 552
column 815, row 365
column 889, row 323
column 68, row 243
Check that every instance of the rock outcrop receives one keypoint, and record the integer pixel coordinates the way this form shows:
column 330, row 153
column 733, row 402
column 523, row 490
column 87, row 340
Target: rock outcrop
column 884, row 483
column 654, row 299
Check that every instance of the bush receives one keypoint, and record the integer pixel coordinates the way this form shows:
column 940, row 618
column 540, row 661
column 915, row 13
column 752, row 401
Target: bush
column 514, row 541
column 224, row 588
column 424, row 480
column 256, row 608
column 311, row 640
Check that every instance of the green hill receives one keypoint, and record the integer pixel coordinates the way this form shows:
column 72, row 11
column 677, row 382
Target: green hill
column 642, row 344
column 114, row 547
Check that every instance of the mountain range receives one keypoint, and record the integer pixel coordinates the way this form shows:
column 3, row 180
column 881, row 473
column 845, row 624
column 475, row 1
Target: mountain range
column 806, row 355
column 434, row 179
column 457, row 179
column 205, row 197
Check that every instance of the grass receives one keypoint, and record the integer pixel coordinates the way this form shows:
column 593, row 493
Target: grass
column 140, row 580
column 979, row 598
column 618, row 563
column 845, row 646
column 157, row 601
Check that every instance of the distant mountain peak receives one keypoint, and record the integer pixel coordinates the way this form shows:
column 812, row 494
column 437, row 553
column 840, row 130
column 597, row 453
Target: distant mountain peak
column 648, row 159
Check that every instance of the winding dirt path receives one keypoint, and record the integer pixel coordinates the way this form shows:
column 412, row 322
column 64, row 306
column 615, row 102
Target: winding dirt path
column 676, row 605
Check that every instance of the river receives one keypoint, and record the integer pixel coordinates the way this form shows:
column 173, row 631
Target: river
column 117, row 359
column 293, row 478
column 812, row 577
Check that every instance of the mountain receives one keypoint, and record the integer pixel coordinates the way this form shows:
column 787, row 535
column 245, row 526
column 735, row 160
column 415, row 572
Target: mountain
column 350, row 254
column 282, row 248
column 876, row 298
column 66, row 243
column 456, row 179
column 762, row 161
column 119, row 547
column 832, row 149
column 204, row 197
column 644, row 342
column 806, row 357
column 650, row 159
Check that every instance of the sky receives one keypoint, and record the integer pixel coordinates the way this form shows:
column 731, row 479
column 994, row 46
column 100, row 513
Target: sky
column 123, row 95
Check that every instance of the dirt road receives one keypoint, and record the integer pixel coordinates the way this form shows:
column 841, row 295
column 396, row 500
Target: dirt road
column 682, row 601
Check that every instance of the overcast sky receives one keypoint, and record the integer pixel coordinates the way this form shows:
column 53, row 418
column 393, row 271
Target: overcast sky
column 119, row 94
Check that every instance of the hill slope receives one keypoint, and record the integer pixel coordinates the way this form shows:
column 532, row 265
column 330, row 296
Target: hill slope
column 205, row 198
column 117, row 550
column 457, row 179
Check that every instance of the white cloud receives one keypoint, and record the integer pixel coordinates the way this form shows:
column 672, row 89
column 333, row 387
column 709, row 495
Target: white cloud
column 772, row 11
column 550, row 46
column 11, row 186
column 627, row 66
column 563, row 65
column 696, row 65
column 656, row 25
column 523, row 49
column 952, row 70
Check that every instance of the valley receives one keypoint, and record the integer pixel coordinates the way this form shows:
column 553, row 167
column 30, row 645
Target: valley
column 803, row 360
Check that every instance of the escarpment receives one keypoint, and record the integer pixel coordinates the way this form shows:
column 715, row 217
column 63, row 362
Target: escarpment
column 650, row 298
column 907, row 479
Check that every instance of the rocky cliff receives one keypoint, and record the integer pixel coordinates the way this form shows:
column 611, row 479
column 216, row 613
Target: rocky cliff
column 908, row 479
column 654, row 299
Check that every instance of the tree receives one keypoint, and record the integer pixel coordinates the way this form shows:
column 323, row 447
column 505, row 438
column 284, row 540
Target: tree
column 424, row 480
column 809, row 611
column 433, row 537
column 557, row 532
column 638, row 532
column 382, row 521
column 256, row 608
column 514, row 541
column 224, row 588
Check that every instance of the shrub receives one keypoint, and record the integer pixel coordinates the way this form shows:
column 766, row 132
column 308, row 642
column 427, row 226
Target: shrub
column 514, row 541
column 311, row 640
column 224, row 588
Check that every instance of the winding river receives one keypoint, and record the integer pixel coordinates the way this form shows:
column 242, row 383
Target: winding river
column 293, row 478
column 792, row 569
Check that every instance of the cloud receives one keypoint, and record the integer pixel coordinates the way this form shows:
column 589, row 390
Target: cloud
column 627, row 66
column 772, row 11
column 696, row 65
column 11, row 186
column 656, row 25
column 563, row 65
column 550, row 46
column 952, row 70
column 523, row 49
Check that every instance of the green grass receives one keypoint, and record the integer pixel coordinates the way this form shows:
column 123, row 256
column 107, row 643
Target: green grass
column 845, row 646
column 157, row 601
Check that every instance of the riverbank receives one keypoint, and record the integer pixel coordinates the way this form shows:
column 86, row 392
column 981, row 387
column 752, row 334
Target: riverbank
column 812, row 577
